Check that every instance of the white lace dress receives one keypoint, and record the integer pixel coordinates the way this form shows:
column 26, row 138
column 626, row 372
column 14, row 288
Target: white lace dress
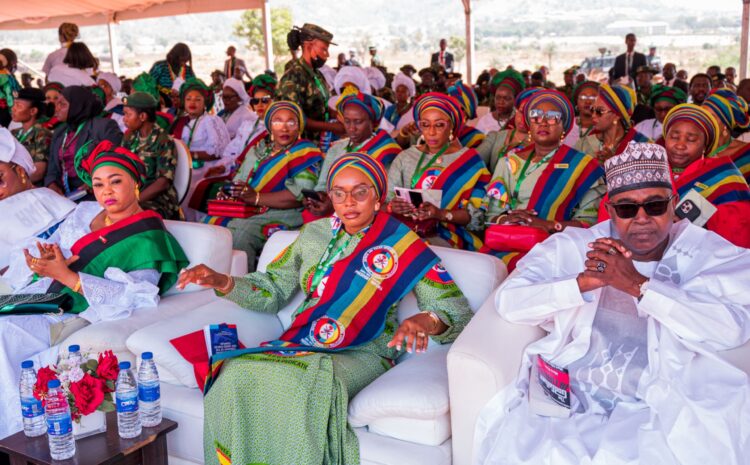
column 23, row 337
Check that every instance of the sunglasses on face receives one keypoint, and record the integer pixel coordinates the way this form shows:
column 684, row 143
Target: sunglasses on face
column 601, row 111
column 538, row 116
column 627, row 210
column 359, row 194
column 255, row 101
column 589, row 98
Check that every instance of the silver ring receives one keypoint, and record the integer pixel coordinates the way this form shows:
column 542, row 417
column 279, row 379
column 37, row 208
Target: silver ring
column 601, row 266
column 612, row 251
column 421, row 334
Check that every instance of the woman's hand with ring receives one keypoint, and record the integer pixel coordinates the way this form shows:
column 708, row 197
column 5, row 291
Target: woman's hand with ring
column 413, row 334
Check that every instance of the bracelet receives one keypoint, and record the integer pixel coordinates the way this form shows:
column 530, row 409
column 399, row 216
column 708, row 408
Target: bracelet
column 77, row 287
column 401, row 133
column 257, row 198
column 228, row 288
column 499, row 218
column 435, row 321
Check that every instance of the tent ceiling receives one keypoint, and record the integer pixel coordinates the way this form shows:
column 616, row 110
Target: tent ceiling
column 41, row 14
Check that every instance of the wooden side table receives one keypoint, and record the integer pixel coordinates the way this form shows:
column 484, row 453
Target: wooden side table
column 150, row 448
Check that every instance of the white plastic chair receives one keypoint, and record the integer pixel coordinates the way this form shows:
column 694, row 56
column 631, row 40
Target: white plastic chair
column 183, row 171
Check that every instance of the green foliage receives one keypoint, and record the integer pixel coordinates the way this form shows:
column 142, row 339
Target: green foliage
column 250, row 28
column 457, row 46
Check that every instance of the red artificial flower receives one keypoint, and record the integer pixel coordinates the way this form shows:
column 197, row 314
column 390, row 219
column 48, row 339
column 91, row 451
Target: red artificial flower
column 108, row 367
column 88, row 394
column 43, row 376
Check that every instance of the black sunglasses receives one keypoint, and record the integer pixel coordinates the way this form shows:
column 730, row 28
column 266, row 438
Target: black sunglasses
column 600, row 111
column 255, row 101
column 626, row 210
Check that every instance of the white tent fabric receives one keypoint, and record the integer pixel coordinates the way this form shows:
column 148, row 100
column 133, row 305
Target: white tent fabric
column 41, row 14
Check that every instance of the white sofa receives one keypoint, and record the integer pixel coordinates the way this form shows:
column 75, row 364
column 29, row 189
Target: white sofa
column 202, row 243
column 486, row 357
column 403, row 417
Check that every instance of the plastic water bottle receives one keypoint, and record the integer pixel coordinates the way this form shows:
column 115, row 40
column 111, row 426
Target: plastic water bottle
column 149, row 392
column 126, row 401
column 75, row 359
column 32, row 410
column 62, row 446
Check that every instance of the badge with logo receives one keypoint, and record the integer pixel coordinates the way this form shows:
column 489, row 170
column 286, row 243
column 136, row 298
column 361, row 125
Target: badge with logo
column 378, row 263
column 327, row 332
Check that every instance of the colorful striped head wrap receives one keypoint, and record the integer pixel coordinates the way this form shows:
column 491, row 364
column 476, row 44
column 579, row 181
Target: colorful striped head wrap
column 54, row 86
column 523, row 97
column 581, row 87
column 670, row 94
column 445, row 104
column 274, row 107
column 730, row 108
column 371, row 105
column 370, row 167
column 200, row 86
column 556, row 98
column 108, row 154
column 700, row 117
column 466, row 96
column 619, row 99
column 509, row 78
column 263, row 82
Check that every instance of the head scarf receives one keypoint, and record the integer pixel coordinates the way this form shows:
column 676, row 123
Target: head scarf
column 371, row 105
column 370, row 167
column 581, row 87
column 446, row 104
column 278, row 105
column 466, row 96
column 145, row 83
column 58, row 86
column 375, row 77
column 200, row 86
column 621, row 100
column 674, row 95
column 509, row 78
column 560, row 102
column 729, row 107
column 111, row 79
column 11, row 151
column 402, row 79
column 353, row 74
column 639, row 166
column 265, row 82
column 84, row 105
column 700, row 117
column 239, row 88
column 108, row 154
column 523, row 98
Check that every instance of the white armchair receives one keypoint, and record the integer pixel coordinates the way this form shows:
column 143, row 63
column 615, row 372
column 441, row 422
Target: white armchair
column 402, row 418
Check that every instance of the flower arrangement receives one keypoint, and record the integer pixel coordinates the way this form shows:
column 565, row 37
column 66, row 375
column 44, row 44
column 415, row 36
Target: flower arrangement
column 88, row 387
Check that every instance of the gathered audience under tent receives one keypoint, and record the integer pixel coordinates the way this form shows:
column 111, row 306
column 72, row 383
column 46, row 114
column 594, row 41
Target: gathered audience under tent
column 613, row 210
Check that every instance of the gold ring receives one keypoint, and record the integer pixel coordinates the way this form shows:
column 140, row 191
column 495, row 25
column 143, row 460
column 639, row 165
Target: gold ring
column 612, row 251
column 421, row 334
column 34, row 260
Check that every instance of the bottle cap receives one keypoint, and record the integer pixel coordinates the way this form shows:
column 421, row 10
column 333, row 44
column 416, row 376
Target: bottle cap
column 74, row 348
column 27, row 364
column 53, row 383
column 124, row 365
column 147, row 356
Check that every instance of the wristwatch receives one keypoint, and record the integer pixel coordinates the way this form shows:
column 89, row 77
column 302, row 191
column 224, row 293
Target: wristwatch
column 449, row 216
column 435, row 320
column 642, row 288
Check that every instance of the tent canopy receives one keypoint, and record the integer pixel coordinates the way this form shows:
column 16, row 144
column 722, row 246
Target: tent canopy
column 41, row 14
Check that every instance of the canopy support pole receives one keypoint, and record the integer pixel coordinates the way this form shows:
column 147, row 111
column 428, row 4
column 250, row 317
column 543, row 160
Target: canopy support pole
column 744, row 37
column 267, row 37
column 470, row 51
column 114, row 56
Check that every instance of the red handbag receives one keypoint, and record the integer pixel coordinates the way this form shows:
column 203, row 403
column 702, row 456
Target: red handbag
column 513, row 238
column 233, row 209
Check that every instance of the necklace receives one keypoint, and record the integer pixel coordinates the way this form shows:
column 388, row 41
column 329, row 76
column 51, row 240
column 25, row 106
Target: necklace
column 108, row 221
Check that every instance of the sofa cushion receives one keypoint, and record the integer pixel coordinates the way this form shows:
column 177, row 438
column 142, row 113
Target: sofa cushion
column 408, row 402
column 185, row 406
column 252, row 328
column 203, row 243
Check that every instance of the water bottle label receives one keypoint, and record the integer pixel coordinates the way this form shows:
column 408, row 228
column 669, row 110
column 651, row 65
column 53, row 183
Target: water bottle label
column 59, row 425
column 127, row 402
column 149, row 393
column 31, row 407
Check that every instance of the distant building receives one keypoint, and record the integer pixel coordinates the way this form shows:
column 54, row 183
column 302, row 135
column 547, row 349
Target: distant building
column 638, row 27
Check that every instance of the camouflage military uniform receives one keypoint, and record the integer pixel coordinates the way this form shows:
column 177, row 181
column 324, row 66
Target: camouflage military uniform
column 159, row 154
column 36, row 140
column 644, row 95
column 568, row 91
column 306, row 87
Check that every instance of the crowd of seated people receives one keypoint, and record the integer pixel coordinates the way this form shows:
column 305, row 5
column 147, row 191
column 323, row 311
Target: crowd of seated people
column 622, row 205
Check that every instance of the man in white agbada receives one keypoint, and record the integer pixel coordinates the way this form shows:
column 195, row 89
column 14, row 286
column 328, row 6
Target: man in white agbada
column 637, row 310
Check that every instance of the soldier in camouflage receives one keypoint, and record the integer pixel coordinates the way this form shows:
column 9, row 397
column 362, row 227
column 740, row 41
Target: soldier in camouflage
column 157, row 150
column 304, row 84
column 28, row 110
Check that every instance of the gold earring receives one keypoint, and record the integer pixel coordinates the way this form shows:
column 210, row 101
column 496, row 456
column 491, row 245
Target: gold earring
column 377, row 206
column 450, row 138
column 137, row 193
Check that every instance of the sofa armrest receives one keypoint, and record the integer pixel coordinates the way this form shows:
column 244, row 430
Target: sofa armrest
column 238, row 266
column 485, row 358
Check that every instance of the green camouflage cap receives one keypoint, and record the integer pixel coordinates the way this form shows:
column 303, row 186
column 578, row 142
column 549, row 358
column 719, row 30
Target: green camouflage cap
column 140, row 100
column 317, row 32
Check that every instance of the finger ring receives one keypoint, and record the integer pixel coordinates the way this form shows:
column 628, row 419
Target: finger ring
column 612, row 251
column 601, row 266
column 421, row 334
